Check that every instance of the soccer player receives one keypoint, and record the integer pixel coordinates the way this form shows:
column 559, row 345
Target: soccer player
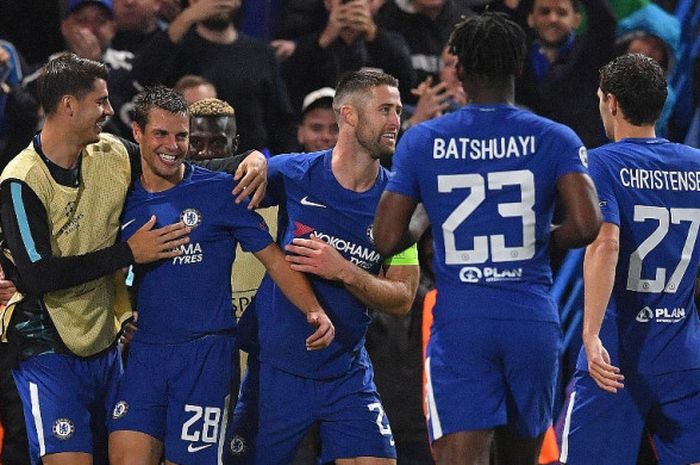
column 173, row 397
column 327, row 201
column 60, row 202
column 487, row 176
column 640, row 361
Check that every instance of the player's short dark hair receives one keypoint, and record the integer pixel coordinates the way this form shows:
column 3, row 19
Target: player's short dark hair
column 68, row 74
column 488, row 46
column 638, row 84
column 161, row 97
column 360, row 81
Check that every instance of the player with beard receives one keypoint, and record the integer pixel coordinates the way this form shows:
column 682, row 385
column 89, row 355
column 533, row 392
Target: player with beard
column 327, row 201
column 202, row 40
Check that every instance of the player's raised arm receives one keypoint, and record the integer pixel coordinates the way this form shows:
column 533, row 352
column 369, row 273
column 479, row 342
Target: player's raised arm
column 297, row 289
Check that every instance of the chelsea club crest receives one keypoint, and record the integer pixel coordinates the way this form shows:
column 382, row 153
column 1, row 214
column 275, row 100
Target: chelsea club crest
column 191, row 217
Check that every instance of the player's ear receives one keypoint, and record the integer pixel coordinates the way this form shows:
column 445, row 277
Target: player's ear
column 613, row 104
column 348, row 115
column 136, row 131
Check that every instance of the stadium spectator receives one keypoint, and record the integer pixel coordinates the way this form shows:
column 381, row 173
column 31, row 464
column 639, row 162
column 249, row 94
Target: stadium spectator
column 560, row 75
column 351, row 40
column 194, row 88
column 203, row 40
column 426, row 26
column 318, row 129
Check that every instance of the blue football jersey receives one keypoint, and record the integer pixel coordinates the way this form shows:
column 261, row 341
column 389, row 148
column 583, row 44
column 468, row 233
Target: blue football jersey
column 312, row 202
column 190, row 295
column 487, row 176
column 650, row 188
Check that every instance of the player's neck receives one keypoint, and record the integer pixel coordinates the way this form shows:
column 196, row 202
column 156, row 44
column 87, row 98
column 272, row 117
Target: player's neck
column 59, row 147
column 625, row 130
column 484, row 92
column 153, row 182
column 354, row 170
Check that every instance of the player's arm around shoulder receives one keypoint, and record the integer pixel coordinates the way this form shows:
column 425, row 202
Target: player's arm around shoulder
column 391, row 293
column 298, row 290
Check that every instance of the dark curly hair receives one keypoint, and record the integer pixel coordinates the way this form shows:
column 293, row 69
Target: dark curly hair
column 489, row 46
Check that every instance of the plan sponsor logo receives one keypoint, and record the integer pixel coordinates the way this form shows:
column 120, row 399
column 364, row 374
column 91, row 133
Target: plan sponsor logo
column 489, row 274
column 661, row 315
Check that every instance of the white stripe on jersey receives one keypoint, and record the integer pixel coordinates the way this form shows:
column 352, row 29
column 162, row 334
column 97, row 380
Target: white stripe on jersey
column 567, row 425
column 36, row 413
column 222, row 430
column 433, row 418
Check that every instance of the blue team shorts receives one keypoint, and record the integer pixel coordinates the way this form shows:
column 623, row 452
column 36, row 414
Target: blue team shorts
column 606, row 429
column 180, row 395
column 243, row 429
column 486, row 373
column 348, row 409
column 66, row 402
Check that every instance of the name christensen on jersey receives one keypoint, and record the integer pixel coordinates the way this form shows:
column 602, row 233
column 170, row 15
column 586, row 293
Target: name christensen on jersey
column 639, row 178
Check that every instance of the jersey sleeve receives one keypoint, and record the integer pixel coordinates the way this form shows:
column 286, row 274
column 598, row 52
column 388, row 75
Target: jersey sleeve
column 404, row 178
column 275, row 180
column 248, row 227
column 26, row 230
column 604, row 184
column 572, row 154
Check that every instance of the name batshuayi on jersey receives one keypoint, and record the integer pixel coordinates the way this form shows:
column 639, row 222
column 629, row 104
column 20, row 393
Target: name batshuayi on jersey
column 650, row 188
column 487, row 176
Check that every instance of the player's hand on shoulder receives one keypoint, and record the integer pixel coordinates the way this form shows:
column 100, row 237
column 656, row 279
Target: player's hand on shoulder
column 149, row 245
column 605, row 375
column 325, row 331
column 252, row 179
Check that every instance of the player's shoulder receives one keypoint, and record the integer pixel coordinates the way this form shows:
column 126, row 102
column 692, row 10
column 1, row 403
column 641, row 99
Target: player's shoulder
column 549, row 128
column 295, row 165
column 199, row 175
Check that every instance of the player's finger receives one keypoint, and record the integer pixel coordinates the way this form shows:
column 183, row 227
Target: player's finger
column 321, row 338
column 299, row 253
column 148, row 225
column 258, row 195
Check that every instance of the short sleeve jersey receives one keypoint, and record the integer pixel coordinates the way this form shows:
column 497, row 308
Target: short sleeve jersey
column 487, row 177
column 650, row 188
column 313, row 203
column 189, row 296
